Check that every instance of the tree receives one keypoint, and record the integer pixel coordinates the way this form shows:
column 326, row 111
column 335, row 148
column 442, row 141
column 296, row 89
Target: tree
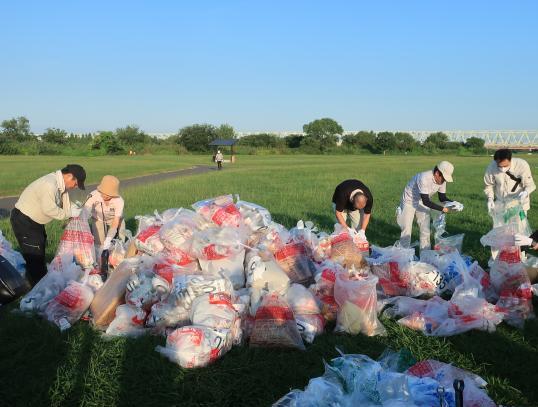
column 226, row 132
column 293, row 140
column 325, row 131
column 476, row 145
column 131, row 136
column 16, row 129
column 261, row 140
column 197, row 137
column 439, row 140
column 385, row 141
column 362, row 139
column 55, row 136
column 405, row 141
column 107, row 141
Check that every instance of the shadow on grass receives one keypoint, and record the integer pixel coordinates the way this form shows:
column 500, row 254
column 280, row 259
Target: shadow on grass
column 506, row 357
column 243, row 377
column 31, row 350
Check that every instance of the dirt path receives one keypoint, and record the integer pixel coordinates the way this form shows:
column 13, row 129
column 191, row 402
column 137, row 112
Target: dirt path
column 7, row 203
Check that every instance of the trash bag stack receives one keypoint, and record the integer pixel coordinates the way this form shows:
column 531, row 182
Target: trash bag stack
column 224, row 273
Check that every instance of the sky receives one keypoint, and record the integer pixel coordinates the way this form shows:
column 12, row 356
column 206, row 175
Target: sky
column 86, row 66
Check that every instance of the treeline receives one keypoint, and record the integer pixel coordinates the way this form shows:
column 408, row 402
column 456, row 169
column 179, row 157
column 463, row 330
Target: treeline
column 321, row 136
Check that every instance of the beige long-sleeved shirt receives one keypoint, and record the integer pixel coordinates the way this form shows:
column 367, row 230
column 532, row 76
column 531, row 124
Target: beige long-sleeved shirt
column 45, row 199
column 499, row 185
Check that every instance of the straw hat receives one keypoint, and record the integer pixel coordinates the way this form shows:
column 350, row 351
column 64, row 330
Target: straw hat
column 110, row 186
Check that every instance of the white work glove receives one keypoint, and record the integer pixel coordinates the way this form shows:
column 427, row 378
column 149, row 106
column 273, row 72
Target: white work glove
column 522, row 240
column 523, row 195
column 75, row 211
column 491, row 205
column 106, row 243
column 361, row 234
column 133, row 283
column 454, row 206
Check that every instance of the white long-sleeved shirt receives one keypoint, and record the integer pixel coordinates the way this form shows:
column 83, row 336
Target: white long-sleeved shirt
column 45, row 199
column 499, row 185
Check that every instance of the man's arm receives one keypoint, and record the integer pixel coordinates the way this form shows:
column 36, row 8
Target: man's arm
column 429, row 204
column 340, row 218
column 526, row 179
column 49, row 207
column 365, row 221
column 489, row 183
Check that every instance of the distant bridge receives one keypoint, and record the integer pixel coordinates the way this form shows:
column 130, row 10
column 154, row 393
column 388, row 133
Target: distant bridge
column 513, row 139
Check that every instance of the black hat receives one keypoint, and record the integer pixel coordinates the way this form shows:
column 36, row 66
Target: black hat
column 76, row 171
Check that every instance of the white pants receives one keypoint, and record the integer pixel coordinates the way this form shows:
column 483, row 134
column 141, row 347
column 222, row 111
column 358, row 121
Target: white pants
column 405, row 221
column 355, row 216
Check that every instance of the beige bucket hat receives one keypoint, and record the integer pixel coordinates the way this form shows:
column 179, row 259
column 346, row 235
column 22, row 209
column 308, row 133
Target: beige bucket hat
column 110, row 186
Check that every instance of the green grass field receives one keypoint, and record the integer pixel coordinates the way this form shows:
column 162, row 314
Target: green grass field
column 19, row 171
column 42, row 366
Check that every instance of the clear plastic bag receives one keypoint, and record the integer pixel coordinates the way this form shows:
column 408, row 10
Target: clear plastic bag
column 69, row 305
column 129, row 321
column 345, row 250
column 214, row 310
column 514, row 290
column 77, row 240
column 60, row 272
column 254, row 216
column 220, row 210
column 301, row 300
column 12, row 256
column 261, row 274
column 293, row 259
column 310, row 326
column 396, row 253
column 357, row 300
column 511, row 212
column 323, row 289
column 275, row 325
column 195, row 346
column 167, row 314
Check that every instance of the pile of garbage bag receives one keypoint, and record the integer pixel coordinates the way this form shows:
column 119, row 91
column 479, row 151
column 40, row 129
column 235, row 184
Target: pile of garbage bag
column 395, row 379
column 224, row 273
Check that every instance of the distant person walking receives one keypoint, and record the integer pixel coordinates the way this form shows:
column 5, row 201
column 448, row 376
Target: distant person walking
column 351, row 197
column 42, row 201
column 219, row 158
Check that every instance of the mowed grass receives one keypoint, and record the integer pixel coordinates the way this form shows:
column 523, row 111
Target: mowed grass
column 19, row 171
column 42, row 366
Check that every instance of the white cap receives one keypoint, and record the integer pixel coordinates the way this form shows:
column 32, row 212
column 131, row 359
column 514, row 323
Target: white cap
column 446, row 169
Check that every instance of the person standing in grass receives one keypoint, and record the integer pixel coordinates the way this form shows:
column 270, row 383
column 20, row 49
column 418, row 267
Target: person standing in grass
column 416, row 202
column 105, row 207
column 42, row 201
column 508, row 178
column 351, row 197
column 219, row 158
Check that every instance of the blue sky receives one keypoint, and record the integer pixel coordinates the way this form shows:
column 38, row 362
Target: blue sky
column 270, row 66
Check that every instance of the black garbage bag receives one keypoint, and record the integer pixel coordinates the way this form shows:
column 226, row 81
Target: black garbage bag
column 12, row 284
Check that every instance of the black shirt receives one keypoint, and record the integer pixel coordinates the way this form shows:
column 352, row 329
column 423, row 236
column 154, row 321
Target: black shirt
column 343, row 192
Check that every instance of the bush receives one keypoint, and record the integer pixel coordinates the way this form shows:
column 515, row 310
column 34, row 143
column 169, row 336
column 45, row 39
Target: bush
column 55, row 136
column 197, row 137
column 293, row 140
column 9, row 148
column 264, row 140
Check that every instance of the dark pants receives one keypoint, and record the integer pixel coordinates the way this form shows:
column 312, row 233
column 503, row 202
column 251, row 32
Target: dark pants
column 219, row 164
column 32, row 240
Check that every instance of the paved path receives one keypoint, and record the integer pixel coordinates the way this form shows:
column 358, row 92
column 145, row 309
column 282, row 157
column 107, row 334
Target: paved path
column 7, row 203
